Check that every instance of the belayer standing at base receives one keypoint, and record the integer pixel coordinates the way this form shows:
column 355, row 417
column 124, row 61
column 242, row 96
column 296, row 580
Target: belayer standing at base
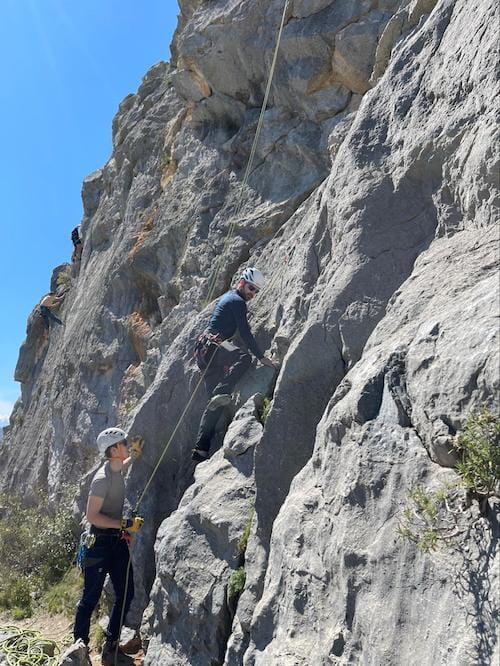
column 222, row 362
column 104, row 546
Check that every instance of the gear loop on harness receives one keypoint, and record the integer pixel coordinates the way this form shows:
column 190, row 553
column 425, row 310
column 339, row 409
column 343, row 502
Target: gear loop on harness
column 205, row 348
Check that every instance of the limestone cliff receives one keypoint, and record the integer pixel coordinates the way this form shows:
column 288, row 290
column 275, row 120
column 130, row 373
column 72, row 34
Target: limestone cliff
column 371, row 208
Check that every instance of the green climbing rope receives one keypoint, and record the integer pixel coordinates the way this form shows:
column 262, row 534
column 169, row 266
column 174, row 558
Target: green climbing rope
column 24, row 647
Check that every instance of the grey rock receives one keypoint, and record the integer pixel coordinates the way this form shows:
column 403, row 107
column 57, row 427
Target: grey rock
column 245, row 430
column 76, row 655
column 91, row 192
column 403, row 21
column 354, row 53
column 188, row 619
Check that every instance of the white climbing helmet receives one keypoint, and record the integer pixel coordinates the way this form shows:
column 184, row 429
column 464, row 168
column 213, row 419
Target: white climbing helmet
column 109, row 437
column 253, row 276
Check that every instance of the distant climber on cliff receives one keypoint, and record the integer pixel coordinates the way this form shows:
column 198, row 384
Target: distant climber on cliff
column 104, row 545
column 49, row 301
column 77, row 244
column 222, row 362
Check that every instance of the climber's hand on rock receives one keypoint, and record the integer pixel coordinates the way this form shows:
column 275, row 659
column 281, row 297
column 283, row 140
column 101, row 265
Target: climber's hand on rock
column 136, row 447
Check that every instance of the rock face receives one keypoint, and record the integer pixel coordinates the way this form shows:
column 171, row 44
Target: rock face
column 75, row 655
column 371, row 208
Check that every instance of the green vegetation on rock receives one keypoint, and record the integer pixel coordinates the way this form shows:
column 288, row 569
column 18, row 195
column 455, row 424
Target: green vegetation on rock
column 265, row 409
column 434, row 518
column 426, row 520
column 237, row 583
column 478, row 448
column 243, row 542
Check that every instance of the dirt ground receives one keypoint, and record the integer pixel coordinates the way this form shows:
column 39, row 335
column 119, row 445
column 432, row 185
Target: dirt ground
column 59, row 629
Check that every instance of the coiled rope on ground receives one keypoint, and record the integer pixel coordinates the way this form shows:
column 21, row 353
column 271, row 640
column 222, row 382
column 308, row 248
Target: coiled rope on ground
column 26, row 647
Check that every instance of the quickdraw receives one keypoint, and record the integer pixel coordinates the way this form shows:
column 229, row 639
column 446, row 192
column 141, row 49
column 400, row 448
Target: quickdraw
column 87, row 540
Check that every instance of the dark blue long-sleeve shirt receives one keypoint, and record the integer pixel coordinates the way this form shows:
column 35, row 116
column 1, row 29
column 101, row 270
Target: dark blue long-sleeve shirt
column 229, row 315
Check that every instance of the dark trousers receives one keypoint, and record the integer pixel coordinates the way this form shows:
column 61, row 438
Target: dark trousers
column 47, row 315
column 224, row 371
column 109, row 554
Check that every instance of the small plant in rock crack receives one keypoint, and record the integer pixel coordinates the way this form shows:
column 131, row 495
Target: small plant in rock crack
column 478, row 448
column 265, row 409
column 243, row 542
column 64, row 280
column 430, row 519
column 129, row 405
column 236, row 583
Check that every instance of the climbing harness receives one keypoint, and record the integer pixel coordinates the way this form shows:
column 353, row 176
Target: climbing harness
column 24, row 647
column 205, row 347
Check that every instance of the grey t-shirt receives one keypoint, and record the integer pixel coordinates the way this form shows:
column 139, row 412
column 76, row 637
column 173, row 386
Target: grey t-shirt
column 111, row 486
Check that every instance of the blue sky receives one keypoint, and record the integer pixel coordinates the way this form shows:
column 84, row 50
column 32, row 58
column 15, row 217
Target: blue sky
column 65, row 65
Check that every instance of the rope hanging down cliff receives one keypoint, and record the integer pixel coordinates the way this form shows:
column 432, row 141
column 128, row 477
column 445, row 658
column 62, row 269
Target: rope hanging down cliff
column 230, row 231
column 213, row 280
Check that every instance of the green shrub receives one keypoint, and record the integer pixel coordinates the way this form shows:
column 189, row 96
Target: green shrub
column 36, row 548
column 16, row 593
column 478, row 448
column 428, row 521
column 236, row 583
column 129, row 405
column 435, row 518
column 97, row 636
column 21, row 612
column 64, row 595
column 63, row 279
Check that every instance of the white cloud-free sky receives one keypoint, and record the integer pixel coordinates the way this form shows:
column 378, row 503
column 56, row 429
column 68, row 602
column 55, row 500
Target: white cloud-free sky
column 64, row 67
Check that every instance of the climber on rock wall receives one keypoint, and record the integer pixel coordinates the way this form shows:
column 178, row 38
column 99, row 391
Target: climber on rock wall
column 104, row 544
column 77, row 244
column 49, row 301
column 222, row 362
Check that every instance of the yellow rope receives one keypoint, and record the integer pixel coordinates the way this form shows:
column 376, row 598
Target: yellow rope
column 24, row 647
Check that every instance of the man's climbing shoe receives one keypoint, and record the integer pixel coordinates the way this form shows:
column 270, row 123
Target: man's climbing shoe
column 220, row 400
column 111, row 657
column 199, row 455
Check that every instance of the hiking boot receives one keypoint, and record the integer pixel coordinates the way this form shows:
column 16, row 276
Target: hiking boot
column 199, row 455
column 108, row 656
column 220, row 400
